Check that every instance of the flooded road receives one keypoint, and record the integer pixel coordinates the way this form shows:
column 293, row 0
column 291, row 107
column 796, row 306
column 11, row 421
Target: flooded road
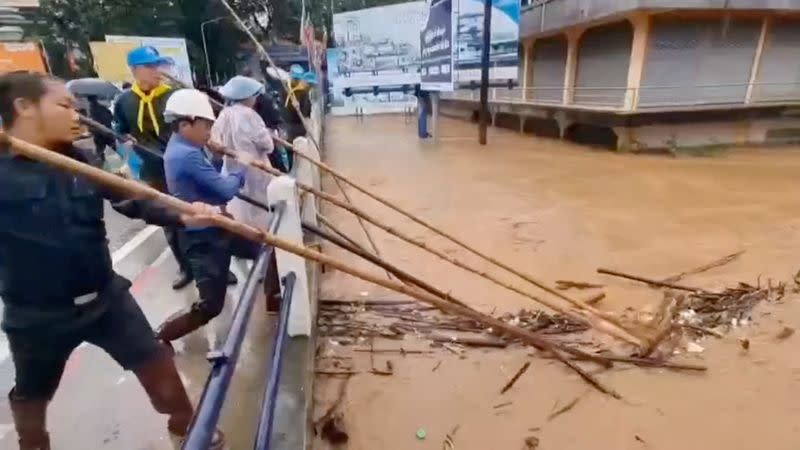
column 560, row 211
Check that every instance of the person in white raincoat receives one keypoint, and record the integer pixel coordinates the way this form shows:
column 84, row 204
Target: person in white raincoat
column 239, row 127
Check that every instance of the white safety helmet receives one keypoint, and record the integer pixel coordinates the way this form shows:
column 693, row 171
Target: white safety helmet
column 188, row 104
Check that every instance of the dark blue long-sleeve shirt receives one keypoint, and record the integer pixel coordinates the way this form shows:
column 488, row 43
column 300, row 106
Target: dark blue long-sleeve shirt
column 191, row 176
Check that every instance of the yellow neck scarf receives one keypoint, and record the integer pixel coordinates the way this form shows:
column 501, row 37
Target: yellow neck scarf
column 294, row 87
column 146, row 100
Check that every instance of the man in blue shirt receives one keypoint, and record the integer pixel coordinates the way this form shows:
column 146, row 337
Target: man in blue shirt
column 192, row 177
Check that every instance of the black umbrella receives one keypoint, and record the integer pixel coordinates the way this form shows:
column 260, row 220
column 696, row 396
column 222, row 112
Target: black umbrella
column 84, row 87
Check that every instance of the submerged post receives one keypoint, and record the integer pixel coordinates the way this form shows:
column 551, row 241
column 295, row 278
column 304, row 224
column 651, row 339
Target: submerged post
column 487, row 40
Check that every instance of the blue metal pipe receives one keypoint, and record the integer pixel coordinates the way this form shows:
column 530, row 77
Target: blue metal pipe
column 266, row 420
column 224, row 362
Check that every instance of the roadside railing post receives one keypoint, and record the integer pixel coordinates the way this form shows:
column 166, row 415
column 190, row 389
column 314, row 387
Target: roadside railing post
column 307, row 173
column 284, row 189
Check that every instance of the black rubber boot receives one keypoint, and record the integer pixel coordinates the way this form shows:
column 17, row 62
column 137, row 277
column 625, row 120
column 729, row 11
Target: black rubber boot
column 181, row 323
column 30, row 417
column 182, row 281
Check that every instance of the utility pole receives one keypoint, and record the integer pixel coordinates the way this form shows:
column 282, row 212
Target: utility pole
column 487, row 41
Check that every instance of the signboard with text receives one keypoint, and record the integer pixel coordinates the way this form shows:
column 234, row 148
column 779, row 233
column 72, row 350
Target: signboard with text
column 436, row 48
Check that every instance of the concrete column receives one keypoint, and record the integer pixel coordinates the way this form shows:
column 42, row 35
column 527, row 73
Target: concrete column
column 284, row 189
column 573, row 41
column 527, row 68
column 641, row 37
column 762, row 42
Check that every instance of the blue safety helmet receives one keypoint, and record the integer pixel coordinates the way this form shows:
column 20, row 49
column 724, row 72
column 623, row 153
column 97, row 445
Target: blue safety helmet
column 241, row 88
column 147, row 56
column 310, row 78
column 297, row 72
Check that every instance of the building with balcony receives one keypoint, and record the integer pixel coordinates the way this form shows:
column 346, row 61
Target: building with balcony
column 653, row 74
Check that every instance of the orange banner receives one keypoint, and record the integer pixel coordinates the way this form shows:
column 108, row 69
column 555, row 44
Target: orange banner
column 21, row 56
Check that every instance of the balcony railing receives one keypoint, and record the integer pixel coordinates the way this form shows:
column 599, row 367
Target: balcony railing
column 642, row 99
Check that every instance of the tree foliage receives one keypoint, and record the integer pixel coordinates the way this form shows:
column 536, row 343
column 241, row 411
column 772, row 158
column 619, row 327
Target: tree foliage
column 69, row 25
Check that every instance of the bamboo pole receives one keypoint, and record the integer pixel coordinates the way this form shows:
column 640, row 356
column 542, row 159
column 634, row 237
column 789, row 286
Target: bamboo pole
column 287, row 144
column 142, row 191
column 540, row 284
column 598, row 322
column 338, row 177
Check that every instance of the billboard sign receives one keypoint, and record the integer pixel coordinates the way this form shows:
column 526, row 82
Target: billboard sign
column 503, row 55
column 376, row 47
column 21, row 56
column 436, row 48
column 174, row 48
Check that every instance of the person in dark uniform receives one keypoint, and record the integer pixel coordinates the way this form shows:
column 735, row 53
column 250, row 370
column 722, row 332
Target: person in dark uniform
column 102, row 115
column 57, row 283
column 139, row 114
column 192, row 177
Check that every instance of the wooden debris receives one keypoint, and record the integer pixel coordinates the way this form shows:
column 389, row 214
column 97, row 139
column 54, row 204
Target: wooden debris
column 785, row 333
column 595, row 299
column 745, row 343
column 647, row 280
column 470, row 341
column 565, row 408
column 436, row 367
column 703, row 330
column 335, row 373
column 516, row 376
column 638, row 438
column 393, row 350
column 704, row 268
column 531, row 443
column 564, row 285
column 502, row 405
column 333, row 431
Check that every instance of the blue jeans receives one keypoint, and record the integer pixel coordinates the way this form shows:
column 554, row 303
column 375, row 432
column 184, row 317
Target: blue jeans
column 422, row 125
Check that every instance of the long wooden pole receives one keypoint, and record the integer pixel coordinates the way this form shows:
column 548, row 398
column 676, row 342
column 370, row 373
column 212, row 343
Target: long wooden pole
column 142, row 191
column 339, row 177
column 595, row 321
column 540, row 284
column 287, row 144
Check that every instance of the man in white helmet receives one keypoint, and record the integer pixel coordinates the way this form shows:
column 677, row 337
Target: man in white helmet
column 190, row 177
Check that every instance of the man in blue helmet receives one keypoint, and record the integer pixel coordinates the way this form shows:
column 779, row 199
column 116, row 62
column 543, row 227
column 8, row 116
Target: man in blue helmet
column 139, row 113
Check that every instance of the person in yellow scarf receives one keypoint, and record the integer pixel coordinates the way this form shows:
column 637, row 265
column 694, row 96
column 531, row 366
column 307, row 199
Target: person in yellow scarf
column 139, row 114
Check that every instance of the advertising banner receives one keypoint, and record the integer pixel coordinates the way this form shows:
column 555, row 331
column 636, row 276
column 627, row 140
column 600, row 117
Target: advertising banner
column 503, row 55
column 436, row 48
column 376, row 47
column 111, row 60
column 21, row 56
column 174, row 48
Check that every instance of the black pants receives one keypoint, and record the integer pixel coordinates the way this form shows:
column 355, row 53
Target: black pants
column 209, row 253
column 121, row 330
column 171, row 233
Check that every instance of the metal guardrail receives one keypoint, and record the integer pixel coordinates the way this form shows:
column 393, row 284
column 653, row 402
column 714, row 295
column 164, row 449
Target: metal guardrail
column 224, row 361
column 644, row 98
column 265, row 422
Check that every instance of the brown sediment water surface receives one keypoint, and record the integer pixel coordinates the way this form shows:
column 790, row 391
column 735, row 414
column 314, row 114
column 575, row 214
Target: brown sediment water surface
column 560, row 211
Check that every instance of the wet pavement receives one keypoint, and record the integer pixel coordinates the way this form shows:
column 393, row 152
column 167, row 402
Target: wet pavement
column 98, row 405
column 560, row 211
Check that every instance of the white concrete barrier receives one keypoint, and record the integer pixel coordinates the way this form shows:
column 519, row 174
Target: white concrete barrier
column 307, row 173
column 284, row 189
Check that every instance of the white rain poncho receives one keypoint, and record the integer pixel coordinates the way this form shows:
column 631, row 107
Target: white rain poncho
column 240, row 128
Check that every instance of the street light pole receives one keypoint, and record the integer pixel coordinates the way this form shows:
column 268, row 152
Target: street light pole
column 487, row 41
column 205, row 46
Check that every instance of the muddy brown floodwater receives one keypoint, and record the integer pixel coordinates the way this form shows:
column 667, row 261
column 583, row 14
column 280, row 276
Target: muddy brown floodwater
column 561, row 211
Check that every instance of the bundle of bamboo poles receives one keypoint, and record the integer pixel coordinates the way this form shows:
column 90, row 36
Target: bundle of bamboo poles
column 133, row 189
column 575, row 308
